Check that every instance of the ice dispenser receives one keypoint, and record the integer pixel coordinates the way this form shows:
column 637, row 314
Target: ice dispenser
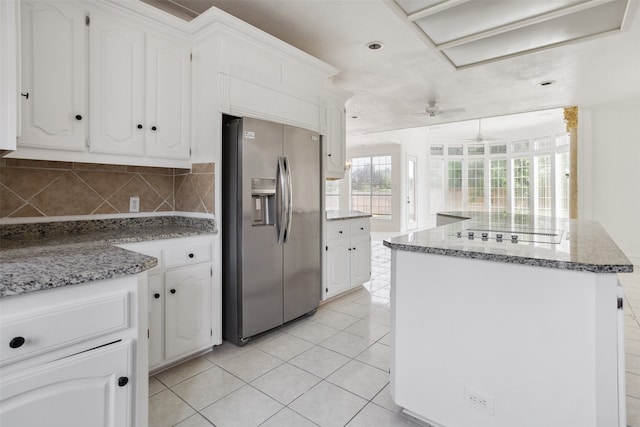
column 263, row 195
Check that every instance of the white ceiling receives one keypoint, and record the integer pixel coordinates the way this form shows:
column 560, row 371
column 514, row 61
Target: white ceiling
column 392, row 84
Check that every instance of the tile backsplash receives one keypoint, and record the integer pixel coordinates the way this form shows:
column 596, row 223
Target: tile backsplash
column 34, row 188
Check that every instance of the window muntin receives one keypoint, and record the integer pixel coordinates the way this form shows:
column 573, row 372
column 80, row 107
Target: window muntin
column 543, row 189
column 475, row 185
column 498, row 201
column 521, row 185
column 454, row 185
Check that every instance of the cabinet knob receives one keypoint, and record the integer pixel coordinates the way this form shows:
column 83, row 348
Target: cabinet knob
column 191, row 255
column 123, row 381
column 26, row 95
column 339, row 231
column 362, row 228
column 16, row 342
column 139, row 126
column 329, row 154
column 156, row 296
column 154, row 128
column 78, row 117
column 173, row 291
column 354, row 249
column 349, row 248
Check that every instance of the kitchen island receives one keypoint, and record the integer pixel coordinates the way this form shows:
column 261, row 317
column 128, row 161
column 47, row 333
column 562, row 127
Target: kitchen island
column 508, row 320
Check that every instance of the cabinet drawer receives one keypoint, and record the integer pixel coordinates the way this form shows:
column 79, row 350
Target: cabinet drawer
column 337, row 229
column 187, row 254
column 360, row 226
column 62, row 325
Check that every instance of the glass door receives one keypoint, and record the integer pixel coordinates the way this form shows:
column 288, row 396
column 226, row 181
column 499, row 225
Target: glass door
column 412, row 221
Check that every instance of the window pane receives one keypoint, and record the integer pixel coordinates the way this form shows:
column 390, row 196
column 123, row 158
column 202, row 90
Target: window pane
column 476, row 149
column 498, row 149
column 543, row 185
column 542, row 143
column 437, row 150
column 521, row 185
column 332, row 195
column 562, row 139
column 456, row 150
column 562, row 185
column 475, row 182
column 520, row 146
column 454, row 185
column 436, row 185
column 499, row 185
column 361, row 184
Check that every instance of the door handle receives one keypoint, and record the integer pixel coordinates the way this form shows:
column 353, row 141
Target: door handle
column 280, row 205
column 287, row 169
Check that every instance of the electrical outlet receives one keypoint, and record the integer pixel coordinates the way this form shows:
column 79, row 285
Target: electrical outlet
column 479, row 401
column 134, row 204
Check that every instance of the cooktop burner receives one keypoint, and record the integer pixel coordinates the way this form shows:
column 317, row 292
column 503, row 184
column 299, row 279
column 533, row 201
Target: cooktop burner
column 512, row 235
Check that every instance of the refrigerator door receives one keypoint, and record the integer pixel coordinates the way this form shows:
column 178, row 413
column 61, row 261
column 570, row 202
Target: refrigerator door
column 302, row 257
column 261, row 257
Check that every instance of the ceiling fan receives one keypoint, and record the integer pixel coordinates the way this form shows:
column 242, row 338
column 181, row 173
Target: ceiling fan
column 433, row 109
column 479, row 137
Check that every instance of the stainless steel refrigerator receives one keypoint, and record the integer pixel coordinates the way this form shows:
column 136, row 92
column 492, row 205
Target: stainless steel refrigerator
column 271, row 225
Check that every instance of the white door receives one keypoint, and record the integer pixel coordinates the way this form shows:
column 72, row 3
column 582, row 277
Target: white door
column 412, row 169
column 187, row 306
column 116, row 69
column 54, row 92
column 335, row 145
column 168, row 69
column 338, row 267
column 90, row 389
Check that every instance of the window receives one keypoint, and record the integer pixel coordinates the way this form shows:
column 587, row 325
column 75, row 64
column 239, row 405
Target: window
column 543, row 185
column 436, row 185
column 476, row 149
column 475, row 185
column 562, row 185
column 521, row 185
column 499, row 185
column 332, row 195
column 520, row 146
column 436, row 150
column 498, row 149
column 456, row 150
column 542, row 143
column 454, row 185
column 371, row 185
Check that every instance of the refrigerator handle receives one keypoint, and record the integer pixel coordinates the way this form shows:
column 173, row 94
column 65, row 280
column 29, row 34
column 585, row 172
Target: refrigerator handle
column 280, row 204
column 289, row 205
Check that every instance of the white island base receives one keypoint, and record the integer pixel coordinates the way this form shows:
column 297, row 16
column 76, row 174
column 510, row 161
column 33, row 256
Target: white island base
column 478, row 343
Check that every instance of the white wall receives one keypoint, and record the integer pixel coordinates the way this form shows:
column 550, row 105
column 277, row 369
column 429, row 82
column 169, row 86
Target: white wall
column 610, row 171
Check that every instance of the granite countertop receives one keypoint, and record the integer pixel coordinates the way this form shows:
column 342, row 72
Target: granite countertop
column 574, row 245
column 336, row 215
column 43, row 256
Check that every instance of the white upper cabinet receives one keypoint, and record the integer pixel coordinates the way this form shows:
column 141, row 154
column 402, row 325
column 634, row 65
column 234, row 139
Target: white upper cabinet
column 116, row 67
column 168, row 80
column 335, row 133
column 54, row 100
column 8, row 73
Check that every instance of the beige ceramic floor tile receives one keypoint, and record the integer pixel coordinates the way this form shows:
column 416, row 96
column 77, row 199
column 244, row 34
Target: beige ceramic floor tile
column 377, row 355
column 183, row 371
column 155, row 386
column 246, row 407
column 313, row 332
column 360, row 379
column 287, row 418
column 374, row 416
column 285, row 383
column 251, row 364
column 207, row 387
column 166, row 409
column 366, row 328
column 196, row 420
column 338, row 405
column 347, row 344
column 285, row 346
column 319, row 361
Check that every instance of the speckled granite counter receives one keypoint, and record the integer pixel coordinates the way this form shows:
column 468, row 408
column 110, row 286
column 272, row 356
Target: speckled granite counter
column 581, row 245
column 41, row 256
column 336, row 215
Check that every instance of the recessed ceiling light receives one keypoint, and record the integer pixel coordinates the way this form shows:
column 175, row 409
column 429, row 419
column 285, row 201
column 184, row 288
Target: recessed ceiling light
column 547, row 83
column 375, row 45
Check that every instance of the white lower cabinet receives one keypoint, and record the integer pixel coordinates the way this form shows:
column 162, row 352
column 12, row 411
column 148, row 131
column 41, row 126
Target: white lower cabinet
column 71, row 356
column 90, row 389
column 348, row 255
column 183, row 299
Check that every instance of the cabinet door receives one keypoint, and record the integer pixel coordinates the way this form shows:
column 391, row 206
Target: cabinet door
column 360, row 259
column 338, row 275
column 156, row 315
column 168, row 70
column 77, row 391
column 335, row 142
column 54, row 114
column 116, row 61
column 187, row 309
